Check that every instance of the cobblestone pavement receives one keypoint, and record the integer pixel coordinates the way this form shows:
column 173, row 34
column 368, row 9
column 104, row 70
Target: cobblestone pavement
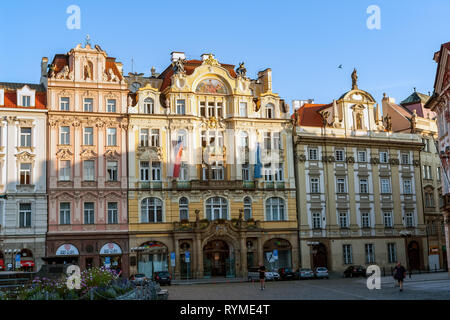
column 430, row 287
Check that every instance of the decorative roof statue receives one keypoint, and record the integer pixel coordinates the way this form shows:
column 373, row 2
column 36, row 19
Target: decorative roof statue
column 354, row 80
column 388, row 122
column 413, row 121
column 178, row 66
column 241, row 71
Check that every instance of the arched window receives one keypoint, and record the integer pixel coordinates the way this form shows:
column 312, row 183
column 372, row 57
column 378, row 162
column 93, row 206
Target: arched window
column 149, row 106
column 184, row 208
column 275, row 208
column 247, row 208
column 216, row 208
column 151, row 210
column 270, row 111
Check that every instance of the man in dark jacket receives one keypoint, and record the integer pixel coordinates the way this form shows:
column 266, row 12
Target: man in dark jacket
column 399, row 274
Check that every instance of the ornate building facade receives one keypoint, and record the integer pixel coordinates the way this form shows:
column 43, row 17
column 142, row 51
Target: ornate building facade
column 440, row 104
column 357, row 186
column 87, row 159
column 211, row 181
column 23, row 204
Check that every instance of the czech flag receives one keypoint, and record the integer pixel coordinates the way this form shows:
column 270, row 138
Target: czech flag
column 177, row 164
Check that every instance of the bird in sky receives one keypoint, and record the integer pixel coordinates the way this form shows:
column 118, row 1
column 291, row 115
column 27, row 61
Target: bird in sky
column 340, row 66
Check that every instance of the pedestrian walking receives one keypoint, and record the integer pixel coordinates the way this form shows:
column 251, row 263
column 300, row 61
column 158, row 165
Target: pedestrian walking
column 262, row 276
column 399, row 274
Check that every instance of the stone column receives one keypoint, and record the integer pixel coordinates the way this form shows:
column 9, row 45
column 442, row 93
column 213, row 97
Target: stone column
column 199, row 255
column 260, row 251
column 177, row 258
column 243, row 257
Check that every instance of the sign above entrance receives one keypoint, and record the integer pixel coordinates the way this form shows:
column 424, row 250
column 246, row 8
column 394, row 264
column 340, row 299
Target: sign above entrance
column 67, row 250
column 312, row 243
column 172, row 259
column 110, row 248
column 187, row 257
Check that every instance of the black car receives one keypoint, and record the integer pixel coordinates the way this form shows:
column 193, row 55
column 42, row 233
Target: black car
column 355, row 271
column 162, row 277
column 287, row 274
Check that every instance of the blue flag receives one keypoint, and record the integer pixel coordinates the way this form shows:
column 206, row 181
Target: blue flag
column 258, row 164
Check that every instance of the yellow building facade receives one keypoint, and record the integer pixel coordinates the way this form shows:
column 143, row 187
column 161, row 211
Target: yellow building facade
column 226, row 201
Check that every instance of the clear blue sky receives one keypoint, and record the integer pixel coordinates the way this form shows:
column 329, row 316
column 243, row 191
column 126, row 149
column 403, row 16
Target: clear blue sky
column 302, row 41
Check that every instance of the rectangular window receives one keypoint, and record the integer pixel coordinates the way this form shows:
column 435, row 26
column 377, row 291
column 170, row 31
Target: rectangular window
column 341, row 188
column 143, row 138
column 370, row 253
column 202, row 109
column 64, row 135
column 155, row 137
column 279, row 175
column 267, row 141
column 156, row 171
column 267, row 172
column 409, row 219
column 26, row 101
column 343, row 219
column 88, row 138
column 111, row 105
column 64, row 104
column 64, row 213
column 387, row 219
column 365, row 220
column 112, row 169
column 243, row 109
column 383, row 157
column 113, row 213
column 438, row 170
column 407, row 186
column 89, row 213
column 25, row 137
column 64, row 170
column 219, row 110
column 246, row 172
column 111, row 137
column 217, row 171
column 181, row 107
column 362, row 156
column 317, row 220
column 184, row 172
column 145, row 167
column 25, row 173
column 392, row 252
column 427, row 144
column 88, row 105
column 429, row 199
column 363, row 186
column 339, row 154
column 405, row 158
column 348, row 256
column 88, row 170
column 314, row 184
column 385, row 185
column 25, row 215
column 313, row 154
column 211, row 109
column 276, row 141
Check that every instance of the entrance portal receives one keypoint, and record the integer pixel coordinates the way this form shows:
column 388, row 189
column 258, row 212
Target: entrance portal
column 414, row 255
column 216, row 254
column 319, row 256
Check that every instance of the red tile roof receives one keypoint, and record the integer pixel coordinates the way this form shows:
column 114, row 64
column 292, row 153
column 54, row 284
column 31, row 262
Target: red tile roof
column 309, row 116
column 10, row 96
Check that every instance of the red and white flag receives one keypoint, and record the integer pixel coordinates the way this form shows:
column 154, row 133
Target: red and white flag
column 177, row 163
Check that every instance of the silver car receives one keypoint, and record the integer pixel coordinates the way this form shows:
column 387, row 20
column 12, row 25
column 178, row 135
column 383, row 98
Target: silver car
column 272, row 275
column 321, row 272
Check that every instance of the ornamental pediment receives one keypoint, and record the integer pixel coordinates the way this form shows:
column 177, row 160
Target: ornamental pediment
column 149, row 153
column 64, row 154
column 25, row 156
column 88, row 154
column 111, row 154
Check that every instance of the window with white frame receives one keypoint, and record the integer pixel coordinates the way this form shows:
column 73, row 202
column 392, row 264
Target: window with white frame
column 387, row 219
column 429, row 199
column 244, row 140
column 112, row 170
column 370, row 253
column 89, row 217
column 246, row 172
column 385, row 184
column 247, row 208
column 267, row 172
column 438, row 173
column 362, row 156
column 154, row 138
column 276, row 141
column 64, row 103
column 25, row 215
column 275, row 209
column 113, row 213
column 25, row 173
column 184, row 208
column 64, row 170
column 203, row 109
column 88, row 170
column 348, row 255
column 145, row 171
column 426, row 143
column 243, row 109
column 182, row 137
column 26, row 101
column 88, row 136
column 111, row 105
column 184, row 172
column 181, row 107
column 313, row 154
column 392, row 252
column 143, row 138
column 340, row 185
column 149, row 107
column 363, row 186
column 88, row 105
column 339, row 155
column 216, row 208
column 156, row 171
column 279, row 172
column 343, row 219
column 111, row 134
column 405, row 158
column 407, row 186
column 317, row 220
column 64, row 135
column 64, row 213
column 217, row 170
column 270, row 111
column 427, row 172
column 365, row 219
column 409, row 219
column 25, row 137
column 314, row 185
column 384, row 156
column 267, row 141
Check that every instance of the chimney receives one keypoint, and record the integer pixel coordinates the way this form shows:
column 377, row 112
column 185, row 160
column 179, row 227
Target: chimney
column 266, row 79
column 388, row 99
column 177, row 55
column 44, row 73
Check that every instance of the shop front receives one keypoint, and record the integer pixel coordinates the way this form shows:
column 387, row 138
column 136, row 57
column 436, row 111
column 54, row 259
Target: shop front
column 277, row 254
column 65, row 254
column 152, row 256
column 111, row 256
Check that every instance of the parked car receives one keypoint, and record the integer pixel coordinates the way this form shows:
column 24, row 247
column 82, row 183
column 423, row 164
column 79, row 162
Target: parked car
column 252, row 274
column 2, row 265
column 321, row 273
column 272, row 276
column 162, row 277
column 305, row 274
column 355, row 271
column 138, row 279
column 287, row 274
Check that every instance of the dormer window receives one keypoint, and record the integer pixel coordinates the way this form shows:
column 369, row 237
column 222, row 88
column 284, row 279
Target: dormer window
column 26, row 100
column 26, row 97
column 270, row 111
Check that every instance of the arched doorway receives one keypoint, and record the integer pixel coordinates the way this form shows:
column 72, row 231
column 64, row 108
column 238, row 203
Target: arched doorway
column 216, row 259
column 277, row 254
column 414, row 255
column 152, row 257
column 319, row 256
column 111, row 256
